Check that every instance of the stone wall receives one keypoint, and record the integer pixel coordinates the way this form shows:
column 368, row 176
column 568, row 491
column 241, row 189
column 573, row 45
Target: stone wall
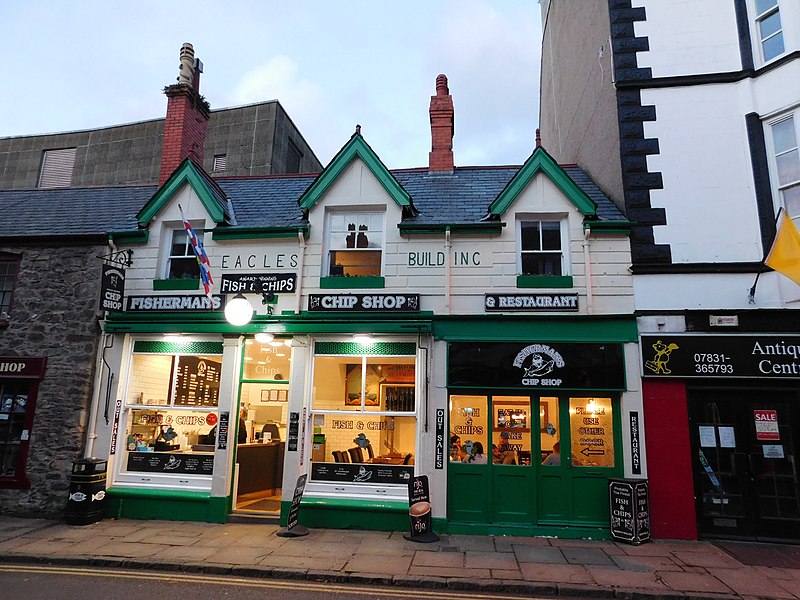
column 54, row 314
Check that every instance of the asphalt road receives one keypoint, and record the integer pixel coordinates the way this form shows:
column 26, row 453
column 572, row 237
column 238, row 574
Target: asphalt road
column 39, row 582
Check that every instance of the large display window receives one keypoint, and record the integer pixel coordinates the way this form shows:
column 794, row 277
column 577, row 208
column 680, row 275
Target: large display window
column 364, row 414
column 170, row 419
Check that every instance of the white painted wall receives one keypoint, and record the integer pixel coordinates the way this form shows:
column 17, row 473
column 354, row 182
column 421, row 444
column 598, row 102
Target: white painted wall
column 689, row 37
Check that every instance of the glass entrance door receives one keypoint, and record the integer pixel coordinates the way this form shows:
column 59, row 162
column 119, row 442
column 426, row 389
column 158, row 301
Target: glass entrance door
column 531, row 459
column 745, row 459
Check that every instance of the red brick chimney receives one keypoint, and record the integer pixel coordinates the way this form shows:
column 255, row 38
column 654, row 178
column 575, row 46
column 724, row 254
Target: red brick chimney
column 187, row 117
column 442, row 120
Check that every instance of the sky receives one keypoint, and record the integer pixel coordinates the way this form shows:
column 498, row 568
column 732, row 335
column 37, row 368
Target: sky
column 332, row 64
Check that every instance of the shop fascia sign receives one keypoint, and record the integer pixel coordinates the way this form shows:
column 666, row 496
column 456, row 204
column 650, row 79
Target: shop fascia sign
column 392, row 303
column 174, row 303
column 258, row 283
column 529, row 302
column 721, row 356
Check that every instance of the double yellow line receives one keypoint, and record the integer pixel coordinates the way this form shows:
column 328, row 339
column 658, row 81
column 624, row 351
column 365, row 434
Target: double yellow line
column 228, row 580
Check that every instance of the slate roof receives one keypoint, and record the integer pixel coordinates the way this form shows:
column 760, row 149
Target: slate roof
column 461, row 197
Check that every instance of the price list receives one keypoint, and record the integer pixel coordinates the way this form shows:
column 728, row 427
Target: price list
column 197, row 381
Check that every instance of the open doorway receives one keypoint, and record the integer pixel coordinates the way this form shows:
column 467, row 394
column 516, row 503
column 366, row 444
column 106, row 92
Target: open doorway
column 262, row 427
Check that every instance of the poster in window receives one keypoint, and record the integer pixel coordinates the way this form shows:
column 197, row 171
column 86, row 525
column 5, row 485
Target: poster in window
column 353, row 386
column 197, row 381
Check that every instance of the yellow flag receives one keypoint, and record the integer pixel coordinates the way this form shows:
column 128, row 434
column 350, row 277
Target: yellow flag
column 784, row 256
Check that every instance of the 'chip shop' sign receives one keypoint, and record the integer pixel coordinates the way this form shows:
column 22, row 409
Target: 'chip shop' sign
column 364, row 302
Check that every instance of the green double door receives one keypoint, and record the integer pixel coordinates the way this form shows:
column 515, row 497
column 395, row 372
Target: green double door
column 548, row 458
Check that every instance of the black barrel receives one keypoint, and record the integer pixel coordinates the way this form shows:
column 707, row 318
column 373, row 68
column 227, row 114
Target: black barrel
column 87, row 491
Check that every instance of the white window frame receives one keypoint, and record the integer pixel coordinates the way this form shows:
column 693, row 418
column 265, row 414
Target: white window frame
column 356, row 217
column 365, row 491
column 780, row 187
column 758, row 19
column 564, row 237
column 188, row 251
column 121, row 475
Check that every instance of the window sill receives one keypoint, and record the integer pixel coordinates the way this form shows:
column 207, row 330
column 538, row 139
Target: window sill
column 341, row 283
column 544, row 281
column 170, row 285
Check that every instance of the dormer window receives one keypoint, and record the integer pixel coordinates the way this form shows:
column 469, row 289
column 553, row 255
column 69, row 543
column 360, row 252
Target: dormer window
column 182, row 263
column 541, row 247
column 355, row 244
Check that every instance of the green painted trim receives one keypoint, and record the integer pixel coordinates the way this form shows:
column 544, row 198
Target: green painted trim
column 186, row 173
column 335, row 513
column 286, row 324
column 541, row 162
column 356, row 147
column 487, row 227
column 140, row 236
column 248, row 233
column 159, row 347
column 572, row 532
column 356, row 349
column 544, row 281
column 165, row 285
column 170, row 505
column 608, row 227
column 349, row 283
column 512, row 327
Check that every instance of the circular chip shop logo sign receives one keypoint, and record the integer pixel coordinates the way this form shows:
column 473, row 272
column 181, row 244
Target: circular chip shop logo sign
column 537, row 361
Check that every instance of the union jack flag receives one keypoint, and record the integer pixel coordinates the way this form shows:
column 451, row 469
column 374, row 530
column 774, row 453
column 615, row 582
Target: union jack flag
column 200, row 255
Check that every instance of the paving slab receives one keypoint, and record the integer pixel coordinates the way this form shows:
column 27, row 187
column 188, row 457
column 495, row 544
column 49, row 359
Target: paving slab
column 694, row 582
column 586, row 556
column 366, row 563
column 647, row 563
column 618, row 578
column 449, row 572
column 423, row 558
column 556, row 573
column 539, row 554
column 749, row 582
column 491, row 560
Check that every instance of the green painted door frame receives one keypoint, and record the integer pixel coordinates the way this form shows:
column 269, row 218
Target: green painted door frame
column 533, row 499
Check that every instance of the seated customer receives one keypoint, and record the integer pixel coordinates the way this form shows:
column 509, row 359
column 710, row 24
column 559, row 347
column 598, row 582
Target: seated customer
column 477, row 455
column 554, row 458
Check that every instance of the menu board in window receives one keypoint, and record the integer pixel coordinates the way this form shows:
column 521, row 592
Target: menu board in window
column 197, row 381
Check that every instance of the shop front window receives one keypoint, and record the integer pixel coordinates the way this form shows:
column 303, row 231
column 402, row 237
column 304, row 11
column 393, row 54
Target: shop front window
column 549, row 433
column 592, row 432
column 171, row 420
column 364, row 415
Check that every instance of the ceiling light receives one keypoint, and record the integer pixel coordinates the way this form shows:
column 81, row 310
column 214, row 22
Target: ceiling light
column 363, row 338
column 264, row 338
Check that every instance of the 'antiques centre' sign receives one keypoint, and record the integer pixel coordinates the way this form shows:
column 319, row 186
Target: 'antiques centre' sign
column 364, row 302
column 258, row 283
column 762, row 356
column 518, row 302
column 193, row 302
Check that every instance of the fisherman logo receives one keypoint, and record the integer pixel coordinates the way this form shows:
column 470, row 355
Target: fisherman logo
column 537, row 361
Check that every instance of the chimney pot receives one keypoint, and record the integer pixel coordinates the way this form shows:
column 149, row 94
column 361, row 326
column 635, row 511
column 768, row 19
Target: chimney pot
column 538, row 138
column 187, row 117
column 442, row 117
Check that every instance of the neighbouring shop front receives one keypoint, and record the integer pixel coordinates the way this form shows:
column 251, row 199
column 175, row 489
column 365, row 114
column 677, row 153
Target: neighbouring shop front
column 545, row 416
column 741, row 395
column 19, row 387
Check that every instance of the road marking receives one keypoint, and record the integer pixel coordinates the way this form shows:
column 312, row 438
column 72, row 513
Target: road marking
column 178, row 577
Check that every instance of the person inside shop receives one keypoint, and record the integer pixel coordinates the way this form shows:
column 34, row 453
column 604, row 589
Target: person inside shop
column 506, row 453
column 477, row 456
column 243, row 426
column 554, row 458
column 457, row 452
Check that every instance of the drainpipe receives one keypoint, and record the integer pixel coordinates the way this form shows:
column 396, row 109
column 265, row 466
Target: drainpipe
column 300, row 260
column 94, row 409
column 587, row 261
column 447, row 247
